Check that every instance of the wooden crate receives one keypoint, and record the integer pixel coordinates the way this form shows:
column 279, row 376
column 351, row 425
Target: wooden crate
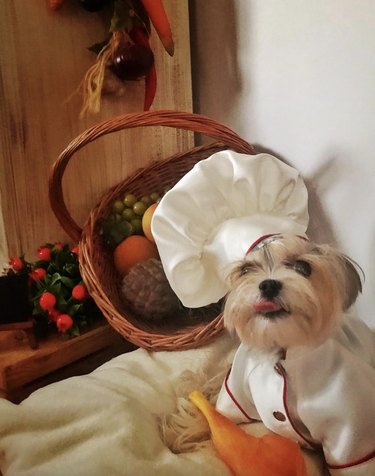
column 43, row 59
column 22, row 369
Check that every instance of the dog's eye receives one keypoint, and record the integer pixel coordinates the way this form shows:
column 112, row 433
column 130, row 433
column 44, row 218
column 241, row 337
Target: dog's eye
column 302, row 267
column 246, row 268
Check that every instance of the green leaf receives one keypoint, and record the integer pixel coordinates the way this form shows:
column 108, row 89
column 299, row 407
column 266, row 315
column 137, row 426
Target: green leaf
column 74, row 330
column 52, row 268
column 36, row 311
column 56, row 277
column 69, row 283
column 61, row 302
column 122, row 17
column 55, row 289
column 71, row 269
column 36, row 297
column 74, row 309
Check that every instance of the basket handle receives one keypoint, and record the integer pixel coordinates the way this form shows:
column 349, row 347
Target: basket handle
column 179, row 120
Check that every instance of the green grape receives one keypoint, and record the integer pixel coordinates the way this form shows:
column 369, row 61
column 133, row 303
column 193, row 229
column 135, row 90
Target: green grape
column 130, row 199
column 118, row 206
column 125, row 228
column 139, row 208
column 116, row 236
column 118, row 218
column 146, row 199
column 137, row 225
column 128, row 214
column 154, row 197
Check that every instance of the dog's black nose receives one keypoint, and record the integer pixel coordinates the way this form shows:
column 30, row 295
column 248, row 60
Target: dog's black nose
column 270, row 288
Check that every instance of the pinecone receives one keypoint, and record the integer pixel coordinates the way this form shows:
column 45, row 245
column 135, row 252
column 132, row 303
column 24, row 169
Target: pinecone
column 146, row 289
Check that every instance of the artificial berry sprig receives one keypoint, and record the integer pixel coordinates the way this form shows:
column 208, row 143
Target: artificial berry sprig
column 57, row 293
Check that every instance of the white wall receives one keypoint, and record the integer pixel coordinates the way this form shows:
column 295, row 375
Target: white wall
column 297, row 78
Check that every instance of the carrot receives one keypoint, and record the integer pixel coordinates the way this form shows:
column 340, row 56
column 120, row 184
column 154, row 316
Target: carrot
column 55, row 4
column 156, row 12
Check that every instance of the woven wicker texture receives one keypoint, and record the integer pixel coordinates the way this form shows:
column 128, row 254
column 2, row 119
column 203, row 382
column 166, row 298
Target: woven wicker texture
column 96, row 260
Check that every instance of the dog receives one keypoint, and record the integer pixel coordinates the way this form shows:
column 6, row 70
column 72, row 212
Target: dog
column 305, row 367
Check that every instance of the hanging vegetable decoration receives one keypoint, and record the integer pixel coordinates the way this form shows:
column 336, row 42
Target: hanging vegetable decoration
column 125, row 55
column 57, row 295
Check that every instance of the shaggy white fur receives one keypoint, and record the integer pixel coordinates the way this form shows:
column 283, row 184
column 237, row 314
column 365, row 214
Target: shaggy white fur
column 186, row 429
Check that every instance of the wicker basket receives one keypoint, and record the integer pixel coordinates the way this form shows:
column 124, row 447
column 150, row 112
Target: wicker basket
column 96, row 261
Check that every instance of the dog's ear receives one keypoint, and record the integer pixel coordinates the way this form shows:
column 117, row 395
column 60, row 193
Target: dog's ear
column 346, row 268
column 353, row 280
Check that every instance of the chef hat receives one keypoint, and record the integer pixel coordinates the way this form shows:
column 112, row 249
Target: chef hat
column 212, row 216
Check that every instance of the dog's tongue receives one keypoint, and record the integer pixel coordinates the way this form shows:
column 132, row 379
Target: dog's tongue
column 266, row 306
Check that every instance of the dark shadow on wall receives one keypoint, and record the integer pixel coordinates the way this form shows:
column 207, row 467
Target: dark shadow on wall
column 216, row 77
column 320, row 228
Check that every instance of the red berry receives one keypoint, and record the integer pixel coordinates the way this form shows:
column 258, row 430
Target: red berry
column 75, row 250
column 45, row 253
column 59, row 245
column 64, row 322
column 47, row 301
column 80, row 293
column 38, row 274
column 53, row 314
column 16, row 263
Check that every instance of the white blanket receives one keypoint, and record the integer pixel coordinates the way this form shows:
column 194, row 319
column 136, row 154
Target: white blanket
column 106, row 423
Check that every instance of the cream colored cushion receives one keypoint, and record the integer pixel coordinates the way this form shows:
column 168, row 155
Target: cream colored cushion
column 106, row 423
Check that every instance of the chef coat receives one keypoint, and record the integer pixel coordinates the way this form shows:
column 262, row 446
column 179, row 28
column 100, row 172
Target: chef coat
column 321, row 396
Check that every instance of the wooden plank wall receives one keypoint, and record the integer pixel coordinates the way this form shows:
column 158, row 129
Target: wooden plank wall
column 43, row 58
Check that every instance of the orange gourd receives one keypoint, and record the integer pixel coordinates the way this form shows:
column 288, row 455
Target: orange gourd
column 247, row 455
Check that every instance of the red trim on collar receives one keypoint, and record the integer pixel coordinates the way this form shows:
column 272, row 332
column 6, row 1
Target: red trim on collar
column 233, row 398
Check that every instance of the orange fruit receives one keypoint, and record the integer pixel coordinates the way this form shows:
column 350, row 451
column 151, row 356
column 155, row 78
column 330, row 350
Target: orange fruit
column 133, row 250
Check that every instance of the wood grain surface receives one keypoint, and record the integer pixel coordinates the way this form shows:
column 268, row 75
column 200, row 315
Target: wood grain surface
column 19, row 364
column 43, row 59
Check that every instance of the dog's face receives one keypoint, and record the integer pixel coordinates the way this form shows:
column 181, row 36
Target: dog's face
column 288, row 293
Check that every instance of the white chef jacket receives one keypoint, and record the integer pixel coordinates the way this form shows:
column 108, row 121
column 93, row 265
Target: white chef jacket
column 319, row 396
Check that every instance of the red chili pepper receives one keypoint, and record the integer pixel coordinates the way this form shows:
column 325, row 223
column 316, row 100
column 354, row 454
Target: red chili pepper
column 140, row 36
column 150, row 88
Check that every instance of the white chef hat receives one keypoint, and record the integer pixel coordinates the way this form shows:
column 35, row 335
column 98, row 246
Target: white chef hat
column 213, row 215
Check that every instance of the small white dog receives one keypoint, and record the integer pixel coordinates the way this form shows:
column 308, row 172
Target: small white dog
column 304, row 367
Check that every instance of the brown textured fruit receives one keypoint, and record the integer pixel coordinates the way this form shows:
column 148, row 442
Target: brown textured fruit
column 146, row 289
